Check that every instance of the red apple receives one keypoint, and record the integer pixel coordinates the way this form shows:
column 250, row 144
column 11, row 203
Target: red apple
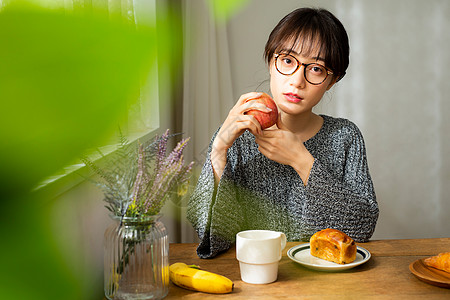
column 265, row 119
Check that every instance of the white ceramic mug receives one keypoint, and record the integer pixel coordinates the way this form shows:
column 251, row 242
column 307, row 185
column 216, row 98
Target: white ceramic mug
column 258, row 253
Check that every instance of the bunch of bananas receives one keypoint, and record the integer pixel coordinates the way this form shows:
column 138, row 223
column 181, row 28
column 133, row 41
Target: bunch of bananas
column 192, row 278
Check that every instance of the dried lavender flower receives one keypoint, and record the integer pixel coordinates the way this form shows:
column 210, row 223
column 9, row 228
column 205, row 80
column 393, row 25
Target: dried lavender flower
column 139, row 178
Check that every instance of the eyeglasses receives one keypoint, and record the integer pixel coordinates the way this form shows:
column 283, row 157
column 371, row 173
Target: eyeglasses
column 314, row 73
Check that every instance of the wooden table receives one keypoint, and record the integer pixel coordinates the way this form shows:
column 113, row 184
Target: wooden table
column 385, row 276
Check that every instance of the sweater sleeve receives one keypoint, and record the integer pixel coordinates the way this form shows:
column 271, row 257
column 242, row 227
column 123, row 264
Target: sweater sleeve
column 346, row 202
column 213, row 211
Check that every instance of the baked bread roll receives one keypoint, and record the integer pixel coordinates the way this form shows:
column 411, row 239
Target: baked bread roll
column 440, row 261
column 333, row 245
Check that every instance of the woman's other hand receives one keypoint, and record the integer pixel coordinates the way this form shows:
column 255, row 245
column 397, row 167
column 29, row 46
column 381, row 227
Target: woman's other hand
column 283, row 146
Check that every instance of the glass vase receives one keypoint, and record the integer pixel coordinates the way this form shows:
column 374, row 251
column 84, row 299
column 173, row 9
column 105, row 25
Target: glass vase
column 136, row 259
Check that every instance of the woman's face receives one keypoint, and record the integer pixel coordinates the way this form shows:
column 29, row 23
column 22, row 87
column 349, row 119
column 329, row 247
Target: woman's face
column 292, row 93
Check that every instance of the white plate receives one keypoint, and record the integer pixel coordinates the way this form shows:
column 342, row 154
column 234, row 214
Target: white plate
column 301, row 254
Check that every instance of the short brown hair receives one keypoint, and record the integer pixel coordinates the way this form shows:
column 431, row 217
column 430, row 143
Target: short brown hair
column 309, row 27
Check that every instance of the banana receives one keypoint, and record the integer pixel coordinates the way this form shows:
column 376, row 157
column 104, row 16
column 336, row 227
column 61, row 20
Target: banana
column 192, row 278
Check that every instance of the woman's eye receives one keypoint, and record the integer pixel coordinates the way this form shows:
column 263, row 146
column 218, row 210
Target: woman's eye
column 287, row 61
column 316, row 69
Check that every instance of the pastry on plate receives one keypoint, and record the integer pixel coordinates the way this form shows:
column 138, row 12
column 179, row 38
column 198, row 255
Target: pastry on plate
column 440, row 261
column 333, row 245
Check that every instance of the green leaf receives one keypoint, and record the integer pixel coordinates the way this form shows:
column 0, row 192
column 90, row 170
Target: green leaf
column 64, row 82
column 224, row 9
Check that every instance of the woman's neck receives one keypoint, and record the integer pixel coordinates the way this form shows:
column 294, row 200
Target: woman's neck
column 304, row 126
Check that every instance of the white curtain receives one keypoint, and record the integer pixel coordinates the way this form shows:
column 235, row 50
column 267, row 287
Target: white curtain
column 208, row 93
column 395, row 91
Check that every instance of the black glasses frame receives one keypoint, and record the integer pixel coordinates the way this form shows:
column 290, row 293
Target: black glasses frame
column 329, row 72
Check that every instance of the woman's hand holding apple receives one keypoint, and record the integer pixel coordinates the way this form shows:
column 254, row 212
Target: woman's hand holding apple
column 235, row 124
column 265, row 119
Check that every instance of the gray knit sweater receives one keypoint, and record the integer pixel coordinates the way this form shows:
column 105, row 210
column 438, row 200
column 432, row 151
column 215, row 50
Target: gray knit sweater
column 255, row 192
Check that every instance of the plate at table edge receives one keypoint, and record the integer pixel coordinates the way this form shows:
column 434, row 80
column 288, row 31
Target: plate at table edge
column 315, row 263
column 429, row 275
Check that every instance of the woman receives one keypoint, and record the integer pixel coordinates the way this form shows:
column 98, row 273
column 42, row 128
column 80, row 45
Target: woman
column 306, row 173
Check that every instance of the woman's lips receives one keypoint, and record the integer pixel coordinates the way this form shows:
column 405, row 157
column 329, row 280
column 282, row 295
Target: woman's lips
column 292, row 98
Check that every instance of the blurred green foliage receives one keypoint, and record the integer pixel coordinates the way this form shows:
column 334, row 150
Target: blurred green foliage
column 66, row 80
column 223, row 9
column 64, row 83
